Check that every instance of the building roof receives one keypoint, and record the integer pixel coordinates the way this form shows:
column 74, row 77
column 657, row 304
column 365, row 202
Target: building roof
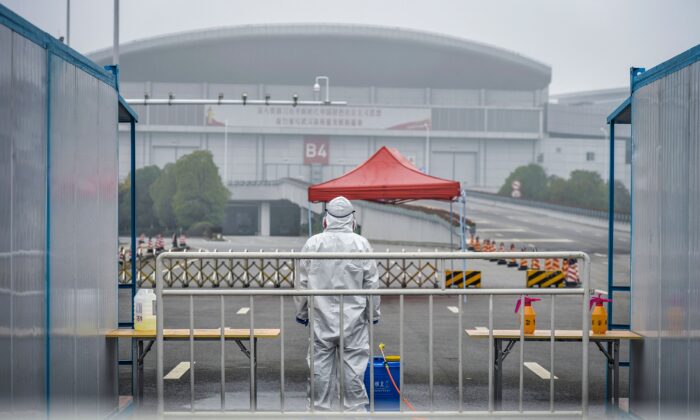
column 351, row 55
column 386, row 176
column 605, row 97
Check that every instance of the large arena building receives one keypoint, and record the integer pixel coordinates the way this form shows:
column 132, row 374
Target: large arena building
column 456, row 108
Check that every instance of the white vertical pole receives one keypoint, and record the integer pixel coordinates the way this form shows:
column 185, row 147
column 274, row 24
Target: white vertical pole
column 67, row 22
column 226, row 151
column 427, row 148
column 115, row 45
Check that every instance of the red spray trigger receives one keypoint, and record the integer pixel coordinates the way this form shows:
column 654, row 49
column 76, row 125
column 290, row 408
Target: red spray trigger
column 528, row 301
column 598, row 300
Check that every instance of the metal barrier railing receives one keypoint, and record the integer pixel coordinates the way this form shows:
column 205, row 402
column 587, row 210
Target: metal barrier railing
column 273, row 271
column 583, row 292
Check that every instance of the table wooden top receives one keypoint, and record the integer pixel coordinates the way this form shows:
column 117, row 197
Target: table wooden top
column 199, row 333
column 543, row 335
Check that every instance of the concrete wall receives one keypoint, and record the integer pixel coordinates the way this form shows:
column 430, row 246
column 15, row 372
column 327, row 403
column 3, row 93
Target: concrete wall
column 388, row 223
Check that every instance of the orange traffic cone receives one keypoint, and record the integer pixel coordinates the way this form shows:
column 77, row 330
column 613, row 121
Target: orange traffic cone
column 512, row 262
column 535, row 264
column 502, row 248
column 523, row 263
column 477, row 245
column 555, row 264
column 572, row 274
column 548, row 264
column 471, row 243
column 564, row 265
column 492, row 248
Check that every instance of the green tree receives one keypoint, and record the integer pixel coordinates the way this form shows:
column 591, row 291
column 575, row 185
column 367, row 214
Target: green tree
column 200, row 195
column 162, row 192
column 145, row 218
column 124, row 206
column 558, row 190
column 623, row 200
column 533, row 182
column 586, row 189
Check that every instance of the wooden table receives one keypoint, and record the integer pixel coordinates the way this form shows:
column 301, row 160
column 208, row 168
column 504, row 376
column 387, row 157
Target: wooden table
column 510, row 337
column 238, row 335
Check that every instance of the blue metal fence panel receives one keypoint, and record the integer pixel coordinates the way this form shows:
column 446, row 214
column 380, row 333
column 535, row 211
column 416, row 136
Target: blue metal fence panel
column 666, row 233
column 22, row 214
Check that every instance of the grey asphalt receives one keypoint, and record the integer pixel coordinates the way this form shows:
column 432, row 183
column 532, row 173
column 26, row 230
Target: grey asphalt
column 500, row 223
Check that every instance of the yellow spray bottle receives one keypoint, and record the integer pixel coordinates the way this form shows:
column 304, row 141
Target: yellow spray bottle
column 599, row 317
column 530, row 314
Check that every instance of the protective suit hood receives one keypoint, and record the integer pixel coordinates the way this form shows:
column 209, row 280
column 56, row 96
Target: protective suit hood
column 340, row 215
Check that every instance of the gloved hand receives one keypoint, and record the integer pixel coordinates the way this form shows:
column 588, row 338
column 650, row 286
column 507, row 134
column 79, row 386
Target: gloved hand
column 304, row 322
column 375, row 322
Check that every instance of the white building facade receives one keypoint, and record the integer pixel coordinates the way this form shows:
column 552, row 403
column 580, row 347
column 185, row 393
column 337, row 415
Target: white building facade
column 457, row 109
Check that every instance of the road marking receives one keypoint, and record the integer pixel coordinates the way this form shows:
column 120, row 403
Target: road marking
column 538, row 370
column 484, row 221
column 481, row 329
column 244, row 310
column 453, row 309
column 488, row 230
column 178, row 371
column 598, row 254
column 536, row 240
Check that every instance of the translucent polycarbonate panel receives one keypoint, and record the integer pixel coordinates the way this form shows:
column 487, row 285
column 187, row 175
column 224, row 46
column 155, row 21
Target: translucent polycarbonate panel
column 28, row 222
column 64, row 258
column 5, row 218
column 22, row 224
column 84, row 240
column 107, row 246
column 665, row 236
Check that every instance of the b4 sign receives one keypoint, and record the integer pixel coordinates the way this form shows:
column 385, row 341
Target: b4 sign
column 316, row 150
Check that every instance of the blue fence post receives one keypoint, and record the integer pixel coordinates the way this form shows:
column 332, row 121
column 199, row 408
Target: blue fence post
column 611, row 218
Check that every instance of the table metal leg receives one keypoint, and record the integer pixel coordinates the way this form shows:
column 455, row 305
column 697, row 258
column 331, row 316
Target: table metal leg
column 139, row 370
column 609, row 374
column 134, row 370
column 255, row 373
column 616, row 373
column 498, row 374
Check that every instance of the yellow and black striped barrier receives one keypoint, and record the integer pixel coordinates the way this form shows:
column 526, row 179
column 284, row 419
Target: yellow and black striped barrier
column 542, row 278
column 457, row 279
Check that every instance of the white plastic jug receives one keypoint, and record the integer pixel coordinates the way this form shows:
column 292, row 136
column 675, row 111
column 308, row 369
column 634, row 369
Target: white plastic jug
column 145, row 310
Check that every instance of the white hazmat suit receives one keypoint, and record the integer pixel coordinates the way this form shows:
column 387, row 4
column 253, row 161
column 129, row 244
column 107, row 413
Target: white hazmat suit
column 338, row 236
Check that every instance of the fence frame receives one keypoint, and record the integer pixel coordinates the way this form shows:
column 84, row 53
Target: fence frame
column 584, row 292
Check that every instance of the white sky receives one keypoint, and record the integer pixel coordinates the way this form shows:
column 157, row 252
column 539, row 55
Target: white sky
column 589, row 44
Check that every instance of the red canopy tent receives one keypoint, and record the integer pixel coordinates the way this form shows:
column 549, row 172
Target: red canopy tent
column 386, row 176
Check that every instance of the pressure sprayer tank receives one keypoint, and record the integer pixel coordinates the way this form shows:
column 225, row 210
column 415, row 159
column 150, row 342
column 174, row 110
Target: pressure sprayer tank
column 530, row 317
column 386, row 398
column 145, row 310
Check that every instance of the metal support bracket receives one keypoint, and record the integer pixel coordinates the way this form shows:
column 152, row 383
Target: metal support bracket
column 506, row 351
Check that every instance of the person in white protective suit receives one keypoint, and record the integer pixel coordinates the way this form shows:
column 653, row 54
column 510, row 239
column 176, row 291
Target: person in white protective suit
column 338, row 236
